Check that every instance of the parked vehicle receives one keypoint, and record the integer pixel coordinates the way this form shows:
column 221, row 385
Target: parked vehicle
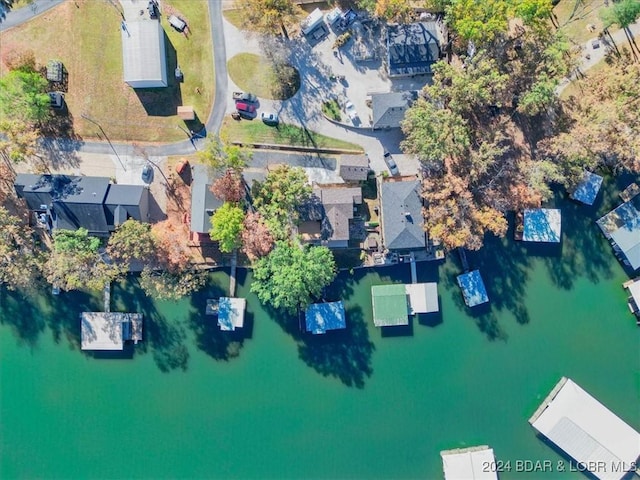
column 244, row 97
column 270, row 118
column 242, row 107
column 350, row 110
column 177, row 23
column 147, row 173
column 391, row 163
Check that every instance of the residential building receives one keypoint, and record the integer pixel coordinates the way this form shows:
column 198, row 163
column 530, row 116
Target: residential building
column 388, row 109
column 354, row 168
column 412, row 48
column 401, row 215
column 203, row 204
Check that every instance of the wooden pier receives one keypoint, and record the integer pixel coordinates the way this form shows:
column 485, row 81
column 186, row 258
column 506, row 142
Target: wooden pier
column 463, row 259
column 107, row 297
column 232, row 275
column 414, row 270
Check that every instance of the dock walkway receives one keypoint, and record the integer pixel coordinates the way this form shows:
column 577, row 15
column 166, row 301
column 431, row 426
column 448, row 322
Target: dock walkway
column 414, row 270
column 232, row 275
column 107, row 297
column 463, row 259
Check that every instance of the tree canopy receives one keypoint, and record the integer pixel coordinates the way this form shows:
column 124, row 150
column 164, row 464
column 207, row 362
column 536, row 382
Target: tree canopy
column 391, row 10
column 226, row 226
column 20, row 261
column 291, row 277
column 132, row 241
column 23, row 96
column 222, row 157
column 268, row 16
column 257, row 240
column 229, row 187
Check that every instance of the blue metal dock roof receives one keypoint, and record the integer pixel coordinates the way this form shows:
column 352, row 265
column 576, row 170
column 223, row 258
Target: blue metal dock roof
column 473, row 289
column 321, row 317
column 588, row 189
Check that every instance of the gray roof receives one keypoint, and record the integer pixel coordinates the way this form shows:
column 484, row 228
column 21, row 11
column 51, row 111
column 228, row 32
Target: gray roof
column 203, row 201
column 622, row 227
column 389, row 108
column 413, row 48
column 337, row 208
column 354, row 167
column 144, row 57
column 124, row 195
column 402, row 219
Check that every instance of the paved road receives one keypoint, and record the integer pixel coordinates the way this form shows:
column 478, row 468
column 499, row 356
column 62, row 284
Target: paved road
column 12, row 18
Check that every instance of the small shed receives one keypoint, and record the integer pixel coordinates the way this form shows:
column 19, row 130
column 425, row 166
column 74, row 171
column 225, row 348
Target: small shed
column 473, row 289
column 423, row 297
column 390, row 306
column 231, row 313
column 587, row 191
column 54, row 71
column 321, row 317
column 186, row 112
column 542, row 225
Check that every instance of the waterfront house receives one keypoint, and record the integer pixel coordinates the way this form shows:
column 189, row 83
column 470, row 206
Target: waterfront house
column 72, row 202
column 621, row 226
column 354, row 168
column 587, row 431
column 473, row 289
column 231, row 313
column 541, row 225
column 587, row 190
column 109, row 330
column 144, row 57
column 414, row 47
column 203, row 204
column 390, row 306
column 469, row 463
column 388, row 109
column 321, row 317
column 401, row 215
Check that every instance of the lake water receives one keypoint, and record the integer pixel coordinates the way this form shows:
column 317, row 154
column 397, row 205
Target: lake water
column 190, row 402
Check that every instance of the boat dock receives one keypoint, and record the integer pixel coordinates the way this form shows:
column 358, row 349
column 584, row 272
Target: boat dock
column 543, row 406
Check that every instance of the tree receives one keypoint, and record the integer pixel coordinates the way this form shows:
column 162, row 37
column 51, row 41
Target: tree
column 291, row 277
column 75, row 262
column 23, row 96
column 226, row 226
column 257, row 240
column 268, row 17
column 20, row 261
column 130, row 242
column 18, row 141
column 229, row 187
column 223, row 157
column 165, row 285
column 280, row 196
column 390, row 10
column 622, row 13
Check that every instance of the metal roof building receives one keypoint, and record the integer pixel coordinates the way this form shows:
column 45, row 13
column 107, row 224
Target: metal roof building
column 473, row 289
column 390, row 306
column 469, row 463
column 144, row 57
column 231, row 313
column 423, row 297
column 622, row 227
column 587, row 191
column 109, row 330
column 542, row 225
column 321, row 317
column 587, row 431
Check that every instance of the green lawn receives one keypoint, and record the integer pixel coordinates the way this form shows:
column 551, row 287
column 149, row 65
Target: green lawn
column 234, row 17
column 91, row 52
column 575, row 15
column 246, row 131
column 255, row 74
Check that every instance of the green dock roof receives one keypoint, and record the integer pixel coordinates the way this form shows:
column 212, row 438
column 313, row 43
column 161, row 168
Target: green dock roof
column 390, row 306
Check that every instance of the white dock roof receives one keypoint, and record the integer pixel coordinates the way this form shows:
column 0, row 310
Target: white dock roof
column 587, row 431
column 634, row 290
column 101, row 331
column 423, row 297
column 231, row 313
column 468, row 464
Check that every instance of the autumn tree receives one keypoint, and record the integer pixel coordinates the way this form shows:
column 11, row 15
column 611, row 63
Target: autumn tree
column 280, row 196
column 18, row 141
column 226, row 226
column 291, row 276
column 268, row 17
column 222, row 157
column 23, row 97
column 257, row 240
column 390, row 10
column 229, row 187
column 20, row 260
column 75, row 262
column 132, row 241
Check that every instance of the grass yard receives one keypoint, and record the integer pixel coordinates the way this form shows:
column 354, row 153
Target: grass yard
column 573, row 89
column 92, row 55
column 234, row 17
column 255, row 74
column 332, row 110
column 246, row 131
column 575, row 15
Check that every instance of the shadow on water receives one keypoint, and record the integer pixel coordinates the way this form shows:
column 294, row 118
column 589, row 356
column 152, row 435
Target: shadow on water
column 22, row 316
column 166, row 339
column 218, row 344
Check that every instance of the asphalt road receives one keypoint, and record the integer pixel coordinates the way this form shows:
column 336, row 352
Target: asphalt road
column 13, row 18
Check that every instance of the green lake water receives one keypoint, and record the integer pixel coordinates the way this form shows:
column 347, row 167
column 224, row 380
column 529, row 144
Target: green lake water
column 190, row 402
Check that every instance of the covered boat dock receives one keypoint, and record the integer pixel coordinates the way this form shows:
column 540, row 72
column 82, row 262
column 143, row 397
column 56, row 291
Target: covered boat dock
column 469, row 463
column 231, row 313
column 390, row 306
column 601, row 442
column 321, row 317
column 473, row 289
column 542, row 225
column 423, row 297
column 109, row 330
column 587, row 190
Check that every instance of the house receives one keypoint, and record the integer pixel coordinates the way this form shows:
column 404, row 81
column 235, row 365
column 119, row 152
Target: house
column 321, row 317
column 144, row 57
column 401, row 215
column 354, row 168
column 203, row 204
column 412, row 48
column 587, row 190
column 109, row 330
column 388, row 109
column 326, row 218
column 587, row 431
column 469, row 463
column 473, row 289
column 390, row 306
column 542, row 225
column 621, row 226
column 71, row 202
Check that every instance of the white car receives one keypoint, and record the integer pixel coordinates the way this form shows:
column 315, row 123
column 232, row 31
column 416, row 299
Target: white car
column 270, row 118
column 350, row 110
